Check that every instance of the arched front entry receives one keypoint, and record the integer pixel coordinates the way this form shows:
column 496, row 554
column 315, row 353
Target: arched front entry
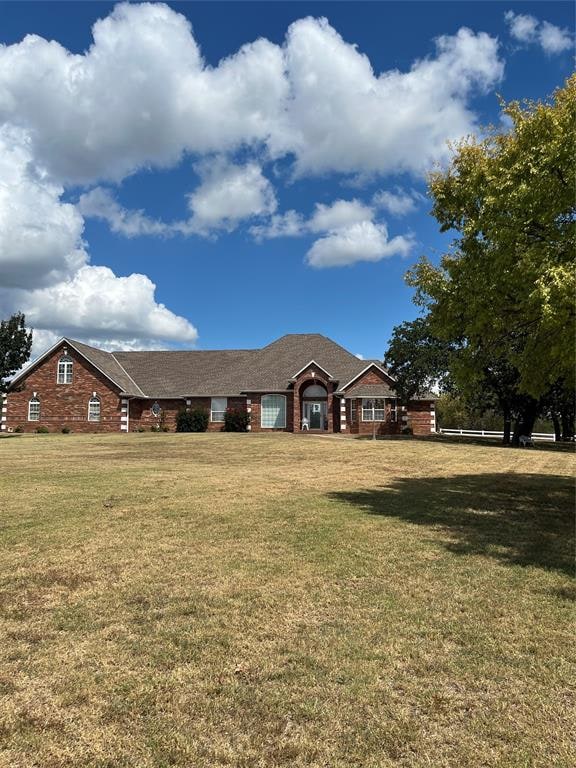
column 313, row 406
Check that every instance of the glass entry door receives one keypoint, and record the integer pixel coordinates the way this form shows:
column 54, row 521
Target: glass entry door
column 315, row 414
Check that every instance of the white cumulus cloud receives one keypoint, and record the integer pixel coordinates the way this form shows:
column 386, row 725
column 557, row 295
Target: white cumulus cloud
column 229, row 194
column 527, row 29
column 99, row 203
column 40, row 236
column 522, row 26
column 97, row 303
column 288, row 224
column 344, row 117
column 554, row 39
column 350, row 232
column 363, row 241
column 142, row 96
column 397, row 202
column 44, row 267
column 324, row 218
column 341, row 213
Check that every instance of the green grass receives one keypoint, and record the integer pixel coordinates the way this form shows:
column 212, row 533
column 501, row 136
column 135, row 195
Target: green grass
column 245, row 600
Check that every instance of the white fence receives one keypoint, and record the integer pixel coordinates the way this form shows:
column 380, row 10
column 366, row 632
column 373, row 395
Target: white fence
column 490, row 433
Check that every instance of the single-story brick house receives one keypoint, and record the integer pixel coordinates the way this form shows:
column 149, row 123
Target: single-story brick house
column 299, row 381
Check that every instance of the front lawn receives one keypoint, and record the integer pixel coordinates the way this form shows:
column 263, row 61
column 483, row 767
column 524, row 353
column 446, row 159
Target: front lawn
column 274, row 600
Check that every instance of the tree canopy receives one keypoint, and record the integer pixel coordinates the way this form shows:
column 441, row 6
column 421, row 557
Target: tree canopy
column 506, row 289
column 500, row 305
column 15, row 346
column 418, row 360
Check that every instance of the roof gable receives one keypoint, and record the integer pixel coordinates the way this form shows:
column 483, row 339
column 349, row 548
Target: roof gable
column 309, row 365
column 384, row 376
column 104, row 362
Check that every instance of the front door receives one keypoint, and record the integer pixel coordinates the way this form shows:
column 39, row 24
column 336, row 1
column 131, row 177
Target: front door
column 315, row 412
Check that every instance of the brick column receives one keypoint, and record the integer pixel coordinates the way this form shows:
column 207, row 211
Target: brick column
column 296, row 410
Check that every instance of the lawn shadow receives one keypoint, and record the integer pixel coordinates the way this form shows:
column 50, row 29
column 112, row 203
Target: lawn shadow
column 519, row 519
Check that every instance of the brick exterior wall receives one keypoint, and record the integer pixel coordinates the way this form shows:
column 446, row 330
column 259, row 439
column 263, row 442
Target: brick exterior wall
column 64, row 405
column 419, row 413
column 422, row 416
column 141, row 415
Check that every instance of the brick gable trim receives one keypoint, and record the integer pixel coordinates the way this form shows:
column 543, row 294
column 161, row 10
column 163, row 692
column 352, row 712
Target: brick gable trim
column 309, row 365
column 368, row 367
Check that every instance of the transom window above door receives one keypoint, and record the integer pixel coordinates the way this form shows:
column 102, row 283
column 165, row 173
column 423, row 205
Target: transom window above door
column 314, row 390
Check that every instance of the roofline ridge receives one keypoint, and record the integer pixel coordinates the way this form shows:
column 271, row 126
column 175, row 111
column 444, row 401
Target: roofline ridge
column 174, row 351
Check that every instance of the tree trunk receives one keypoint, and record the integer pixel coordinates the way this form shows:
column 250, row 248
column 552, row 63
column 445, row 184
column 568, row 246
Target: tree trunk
column 567, row 420
column 525, row 422
column 507, row 426
column 557, row 427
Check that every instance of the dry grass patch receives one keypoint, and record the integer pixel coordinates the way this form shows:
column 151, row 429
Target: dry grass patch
column 262, row 601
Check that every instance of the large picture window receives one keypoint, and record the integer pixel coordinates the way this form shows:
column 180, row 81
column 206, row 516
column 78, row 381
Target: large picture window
column 273, row 412
column 65, row 365
column 218, row 408
column 34, row 409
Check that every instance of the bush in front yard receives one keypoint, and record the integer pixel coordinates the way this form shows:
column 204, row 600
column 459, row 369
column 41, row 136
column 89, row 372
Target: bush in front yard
column 236, row 420
column 42, row 430
column 195, row 420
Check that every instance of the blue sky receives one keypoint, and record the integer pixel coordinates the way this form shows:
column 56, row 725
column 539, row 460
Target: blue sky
column 162, row 186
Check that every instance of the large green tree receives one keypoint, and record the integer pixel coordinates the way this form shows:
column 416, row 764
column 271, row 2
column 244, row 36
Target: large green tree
column 505, row 291
column 418, row 360
column 15, row 346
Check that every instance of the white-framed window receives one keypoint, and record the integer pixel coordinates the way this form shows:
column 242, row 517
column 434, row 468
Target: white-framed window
column 218, row 407
column 393, row 409
column 94, row 408
column 34, row 409
column 373, row 409
column 273, row 411
column 156, row 410
column 65, row 365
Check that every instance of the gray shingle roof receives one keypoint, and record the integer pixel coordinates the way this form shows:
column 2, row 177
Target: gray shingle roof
column 191, row 372
column 107, row 363
column 231, row 372
column 370, row 390
column 198, row 373
column 275, row 364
